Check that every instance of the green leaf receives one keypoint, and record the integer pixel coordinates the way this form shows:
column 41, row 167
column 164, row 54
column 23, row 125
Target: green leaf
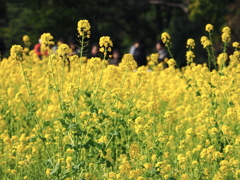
column 89, row 143
column 62, row 121
column 93, row 109
column 57, row 170
column 105, row 161
column 46, row 124
column 48, row 163
column 198, row 93
column 189, row 80
column 34, row 138
column 77, row 167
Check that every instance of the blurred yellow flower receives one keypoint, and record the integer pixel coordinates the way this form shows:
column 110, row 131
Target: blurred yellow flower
column 16, row 52
column 209, row 27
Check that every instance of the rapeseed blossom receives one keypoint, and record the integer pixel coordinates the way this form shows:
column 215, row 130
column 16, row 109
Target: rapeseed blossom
column 105, row 45
column 16, row 52
column 46, row 39
column 63, row 50
column 93, row 120
column 205, row 41
column 226, row 32
column 26, row 40
column 84, row 28
column 209, row 27
column 190, row 43
column 166, row 38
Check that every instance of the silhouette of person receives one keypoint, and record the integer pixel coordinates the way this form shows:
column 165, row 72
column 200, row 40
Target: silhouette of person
column 160, row 47
column 139, row 53
column 116, row 57
column 37, row 49
column 94, row 51
column 55, row 47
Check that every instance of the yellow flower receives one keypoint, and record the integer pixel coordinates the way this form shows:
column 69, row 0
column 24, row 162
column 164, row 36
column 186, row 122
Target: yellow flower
column 84, row 28
column 46, row 39
column 103, row 139
column 128, row 62
column 16, row 52
column 222, row 58
column 226, row 30
column 154, row 58
column 68, row 159
column 184, row 177
column 111, row 175
column 190, row 56
column 105, row 42
column 48, row 171
column 190, row 43
column 237, row 173
column 209, row 27
column 26, row 40
column 147, row 165
column 236, row 44
column 165, row 38
column 171, row 62
column 63, row 50
column 205, row 41
column 226, row 35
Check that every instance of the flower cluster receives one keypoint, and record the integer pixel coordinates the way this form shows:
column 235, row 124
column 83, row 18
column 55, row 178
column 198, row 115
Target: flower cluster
column 222, row 58
column 26, row 40
column 128, row 62
column 226, row 33
column 205, row 41
column 190, row 43
column 63, row 50
column 84, row 28
column 105, row 45
column 46, row 39
column 94, row 120
column 16, row 52
column 236, row 45
column 209, row 27
column 171, row 62
column 190, row 56
column 166, row 38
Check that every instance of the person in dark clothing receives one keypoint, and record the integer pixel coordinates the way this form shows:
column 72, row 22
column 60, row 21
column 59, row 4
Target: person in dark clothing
column 139, row 53
column 94, row 51
column 116, row 57
column 160, row 47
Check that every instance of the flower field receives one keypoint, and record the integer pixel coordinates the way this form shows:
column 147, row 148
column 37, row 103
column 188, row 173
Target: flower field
column 66, row 117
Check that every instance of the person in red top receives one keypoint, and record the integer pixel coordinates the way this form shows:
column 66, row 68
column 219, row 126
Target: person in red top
column 37, row 49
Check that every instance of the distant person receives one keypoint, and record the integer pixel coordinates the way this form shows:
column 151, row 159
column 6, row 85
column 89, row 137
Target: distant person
column 133, row 47
column 160, row 47
column 37, row 49
column 138, row 51
column 116, row 57
column 94, row 51
column 55, row 47
column 73, row 47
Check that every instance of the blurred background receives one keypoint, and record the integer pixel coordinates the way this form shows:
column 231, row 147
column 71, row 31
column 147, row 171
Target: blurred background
column 122, row 20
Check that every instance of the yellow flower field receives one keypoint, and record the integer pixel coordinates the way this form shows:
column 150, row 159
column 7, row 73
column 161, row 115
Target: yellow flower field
column 65, row 117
